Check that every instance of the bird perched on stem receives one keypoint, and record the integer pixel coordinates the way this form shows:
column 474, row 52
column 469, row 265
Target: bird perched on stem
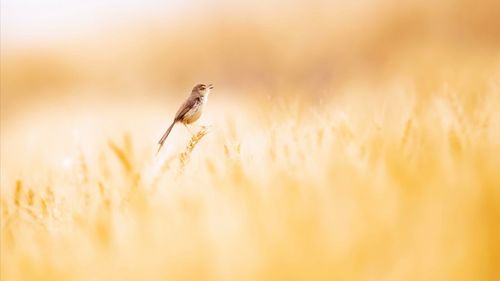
column 191, row 109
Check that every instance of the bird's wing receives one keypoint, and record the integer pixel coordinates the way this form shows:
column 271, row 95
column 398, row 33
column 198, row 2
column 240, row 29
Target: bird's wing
column 186, row 106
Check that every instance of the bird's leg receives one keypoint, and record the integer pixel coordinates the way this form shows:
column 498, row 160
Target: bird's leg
column 200, row 127
column 185, row 125
column 203, row 128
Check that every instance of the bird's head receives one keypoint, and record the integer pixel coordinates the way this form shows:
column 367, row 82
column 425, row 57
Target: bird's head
column 203, row 89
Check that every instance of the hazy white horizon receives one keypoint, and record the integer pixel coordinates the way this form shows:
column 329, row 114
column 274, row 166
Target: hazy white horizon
column 35, row 21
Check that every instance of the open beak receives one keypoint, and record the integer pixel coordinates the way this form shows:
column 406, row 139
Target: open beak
column 210, row 86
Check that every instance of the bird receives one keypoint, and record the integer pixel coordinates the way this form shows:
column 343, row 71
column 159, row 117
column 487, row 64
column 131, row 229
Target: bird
column 191, row 110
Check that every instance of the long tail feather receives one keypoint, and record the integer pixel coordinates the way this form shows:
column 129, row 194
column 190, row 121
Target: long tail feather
column 164, row 137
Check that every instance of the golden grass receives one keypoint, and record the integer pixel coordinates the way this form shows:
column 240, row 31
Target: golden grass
column 353, row 189
column 184, row 156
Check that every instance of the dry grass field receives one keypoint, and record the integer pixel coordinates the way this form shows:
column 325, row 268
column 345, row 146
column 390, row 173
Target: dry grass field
column 363, row 157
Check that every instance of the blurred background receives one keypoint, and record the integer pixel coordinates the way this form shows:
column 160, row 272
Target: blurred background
column 123, row 49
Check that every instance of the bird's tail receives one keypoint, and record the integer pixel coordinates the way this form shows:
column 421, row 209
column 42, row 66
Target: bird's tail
column 165, row 135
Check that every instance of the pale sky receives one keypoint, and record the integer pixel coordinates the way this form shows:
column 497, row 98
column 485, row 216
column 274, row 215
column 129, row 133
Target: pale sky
column 25, row 22
column 33, row 20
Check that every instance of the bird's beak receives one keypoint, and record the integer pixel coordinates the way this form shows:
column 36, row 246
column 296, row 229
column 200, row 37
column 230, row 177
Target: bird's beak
column 210, row 86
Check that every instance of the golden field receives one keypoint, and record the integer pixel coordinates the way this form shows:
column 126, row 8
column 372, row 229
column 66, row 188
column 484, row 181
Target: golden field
column 360, row 147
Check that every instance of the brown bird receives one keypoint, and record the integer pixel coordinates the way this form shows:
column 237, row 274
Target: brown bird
column 191, row 109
